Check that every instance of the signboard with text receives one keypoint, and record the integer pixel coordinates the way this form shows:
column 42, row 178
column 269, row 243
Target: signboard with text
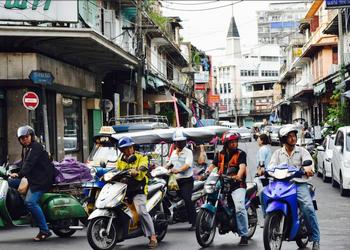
column 213, row 99
column 199, row 87
column 30, row 100
column 39, row 10
column 41, row 77
column 337, row 4
column 201, row 77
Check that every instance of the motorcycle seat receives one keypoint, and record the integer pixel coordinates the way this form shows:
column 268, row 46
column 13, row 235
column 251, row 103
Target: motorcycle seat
column 198, row 185
column 152, row 189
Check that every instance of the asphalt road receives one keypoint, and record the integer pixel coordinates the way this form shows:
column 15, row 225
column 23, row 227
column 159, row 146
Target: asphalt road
column 333, row 214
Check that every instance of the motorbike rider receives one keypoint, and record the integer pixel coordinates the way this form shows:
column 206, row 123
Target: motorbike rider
column 182, row 160
column 295, row 155
column 39, row 170
column 234, row 159
column 137, row 164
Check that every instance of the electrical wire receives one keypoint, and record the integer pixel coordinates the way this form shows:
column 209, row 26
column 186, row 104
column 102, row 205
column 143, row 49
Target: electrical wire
column 213, row 8
column 176, row 2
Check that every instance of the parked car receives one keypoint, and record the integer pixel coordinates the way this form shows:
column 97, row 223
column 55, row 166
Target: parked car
column 324, row 158
column 341, row 160
column 274, row 136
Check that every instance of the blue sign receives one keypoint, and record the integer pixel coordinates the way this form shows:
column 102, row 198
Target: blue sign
column 41, row 77
column 337, row 4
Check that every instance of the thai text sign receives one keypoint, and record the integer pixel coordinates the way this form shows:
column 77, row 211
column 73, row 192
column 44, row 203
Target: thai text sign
column 201, row 77
column 336, row 4
column 39, row 10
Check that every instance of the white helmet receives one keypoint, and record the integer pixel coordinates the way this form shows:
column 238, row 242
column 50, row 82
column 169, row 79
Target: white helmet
column 285, row 130
column 179, row 135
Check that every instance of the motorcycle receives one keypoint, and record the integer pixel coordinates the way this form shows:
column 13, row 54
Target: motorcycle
column 284, row 220
column 115, row 219
column 219, row 210
column 62, row 211
column 174, row 206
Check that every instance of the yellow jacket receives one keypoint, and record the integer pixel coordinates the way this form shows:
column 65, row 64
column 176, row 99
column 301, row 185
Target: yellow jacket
column 141, row 161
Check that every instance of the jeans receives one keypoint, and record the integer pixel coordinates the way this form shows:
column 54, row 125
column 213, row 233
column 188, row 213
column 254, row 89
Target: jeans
column 185, row 192
column 308, row 211
column 238, row 197
column 146, row 219
column 32, row 204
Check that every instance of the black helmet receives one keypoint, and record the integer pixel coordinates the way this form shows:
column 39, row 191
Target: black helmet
column 25, row 130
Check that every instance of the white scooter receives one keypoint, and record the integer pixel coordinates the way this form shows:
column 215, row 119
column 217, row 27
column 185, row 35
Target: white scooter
column 115, row 219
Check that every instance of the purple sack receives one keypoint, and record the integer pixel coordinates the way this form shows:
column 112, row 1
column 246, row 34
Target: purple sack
column 70, row 170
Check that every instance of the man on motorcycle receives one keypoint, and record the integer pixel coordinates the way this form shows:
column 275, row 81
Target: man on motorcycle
column 233, row 161
column 39, row 170
column 295, row 155
column 182, row 161
column 137, row 164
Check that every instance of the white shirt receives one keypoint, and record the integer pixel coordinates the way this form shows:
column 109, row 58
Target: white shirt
column 297, row 157
column 178, row 160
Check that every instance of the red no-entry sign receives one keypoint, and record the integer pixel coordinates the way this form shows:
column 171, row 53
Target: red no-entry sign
column 30, row 100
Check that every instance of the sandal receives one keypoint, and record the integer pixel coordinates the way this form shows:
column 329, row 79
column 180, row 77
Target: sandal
column 152, row 244
column 42, row 236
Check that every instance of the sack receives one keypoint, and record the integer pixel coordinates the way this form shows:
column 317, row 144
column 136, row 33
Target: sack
column 23, row 186
column 172, row 184
column 70, row 170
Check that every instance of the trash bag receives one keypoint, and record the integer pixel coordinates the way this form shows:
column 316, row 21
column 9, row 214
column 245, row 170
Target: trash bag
column 172, row 184
column 69, row 170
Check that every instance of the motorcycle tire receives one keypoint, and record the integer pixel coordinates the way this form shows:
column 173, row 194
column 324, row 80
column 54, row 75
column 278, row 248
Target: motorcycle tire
column 205, row 233
column 94, row 233
column 271, row 225
column 252, row 215
column 161, row 229
column 61, row 228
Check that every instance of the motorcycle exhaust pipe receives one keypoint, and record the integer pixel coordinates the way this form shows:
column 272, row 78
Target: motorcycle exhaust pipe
column 76, row 227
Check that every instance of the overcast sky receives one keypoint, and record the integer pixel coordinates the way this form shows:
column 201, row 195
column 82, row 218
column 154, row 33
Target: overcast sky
column 207, row 29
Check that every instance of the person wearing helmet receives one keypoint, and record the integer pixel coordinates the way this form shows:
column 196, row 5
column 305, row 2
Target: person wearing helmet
column 232, row 161
column 182, row 161
column 137, row 164
column 294, row 155
column 39, row 170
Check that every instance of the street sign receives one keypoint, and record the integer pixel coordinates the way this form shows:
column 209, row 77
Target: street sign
column 30, row 100
column 337, row 4
column 41, row 77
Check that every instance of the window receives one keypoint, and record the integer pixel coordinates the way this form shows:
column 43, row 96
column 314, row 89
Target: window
column 269, row 58
column 71, row 118
column 249, row 73
column 249, row 88
column 225, row 89
column 339, row 140
column 269, row 73
column 229, row 87
column 220, row 89
column 348, row 142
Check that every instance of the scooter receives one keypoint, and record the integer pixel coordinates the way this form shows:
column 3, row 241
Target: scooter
column 62, row 211
column 115, row 219
column 219, row 210
column 284, row 220
column 174, row 206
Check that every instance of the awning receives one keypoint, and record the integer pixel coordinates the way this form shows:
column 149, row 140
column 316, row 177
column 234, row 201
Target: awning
column 154, row 82
column 183, row 105
column 320, row 89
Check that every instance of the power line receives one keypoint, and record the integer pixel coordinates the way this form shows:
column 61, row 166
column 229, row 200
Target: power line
column 175, row 2
column 206, row 9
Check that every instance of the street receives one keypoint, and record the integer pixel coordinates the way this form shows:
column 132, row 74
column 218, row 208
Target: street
column 333, row 217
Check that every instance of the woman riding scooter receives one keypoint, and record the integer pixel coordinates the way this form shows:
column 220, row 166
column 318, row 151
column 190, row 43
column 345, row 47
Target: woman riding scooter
column 39, row 170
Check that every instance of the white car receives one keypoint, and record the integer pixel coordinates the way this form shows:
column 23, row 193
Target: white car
column 324, row 158
column 341, row 160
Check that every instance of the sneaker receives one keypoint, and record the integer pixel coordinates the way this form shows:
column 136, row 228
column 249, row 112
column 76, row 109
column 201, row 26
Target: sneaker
column 316, row 245
column 192, row 228
column 243, row 241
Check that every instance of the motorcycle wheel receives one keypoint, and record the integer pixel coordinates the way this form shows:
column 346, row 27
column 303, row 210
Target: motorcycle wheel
column 96, row 234
column 252, row 215
column 204, row 232
column 61, row 228
column 272, row 240
column 161, row 229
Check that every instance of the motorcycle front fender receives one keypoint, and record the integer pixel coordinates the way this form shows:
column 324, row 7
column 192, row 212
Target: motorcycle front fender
column 209, row 207
column 100, row 213
column 277, row 206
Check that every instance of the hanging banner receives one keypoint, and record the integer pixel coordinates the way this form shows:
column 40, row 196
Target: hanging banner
column 199, row 87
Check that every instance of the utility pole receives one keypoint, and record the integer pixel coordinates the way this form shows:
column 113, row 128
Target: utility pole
column 341, row 45
column 141, row 56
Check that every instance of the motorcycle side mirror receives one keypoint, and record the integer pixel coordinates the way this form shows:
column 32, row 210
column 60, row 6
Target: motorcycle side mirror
column 261, row 164
column 306, row 163
column 132, row 159
column 171, row 166
column 102, row 164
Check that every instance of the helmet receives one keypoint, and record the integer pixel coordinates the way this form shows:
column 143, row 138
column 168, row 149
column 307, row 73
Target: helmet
column 179, row 136
column 125, row 142
column 285, row 130
column 230, row 136
column 25, row 130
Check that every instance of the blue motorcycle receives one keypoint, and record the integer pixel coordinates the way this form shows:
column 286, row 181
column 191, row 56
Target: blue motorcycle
column 284, row 221
column 219, row 210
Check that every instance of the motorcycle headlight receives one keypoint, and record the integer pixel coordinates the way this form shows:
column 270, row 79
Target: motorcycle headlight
column 93, row 172
column 209, row 188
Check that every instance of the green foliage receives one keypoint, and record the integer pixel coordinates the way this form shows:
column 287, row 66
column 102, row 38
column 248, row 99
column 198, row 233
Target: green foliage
column 196, row 58
column 167, row 111
column 337, row 113
column 158, row 19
